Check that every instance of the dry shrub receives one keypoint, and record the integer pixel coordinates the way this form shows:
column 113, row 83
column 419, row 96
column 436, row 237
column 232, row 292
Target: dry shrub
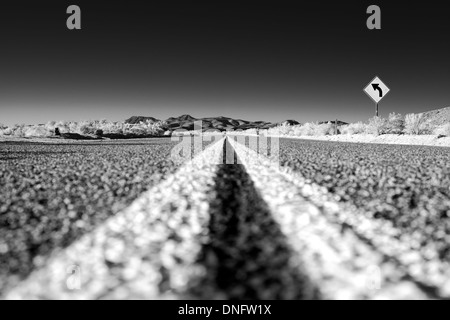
column 310, row 129
column 6, row 132
column 36, row 131
column 377, row 126
column 284, row 129
column 354, row 128
column 395, row 124
column 252, row 131
column 306, row 129
column 416, row 124
column 324, row 129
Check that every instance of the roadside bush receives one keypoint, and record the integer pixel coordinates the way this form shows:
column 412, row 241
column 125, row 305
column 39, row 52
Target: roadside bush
column 51, row 125
column 277, row 131
column 284, row 129
column 86, row 129
column 395, row 124
column 443, row 130
column 324, row 129
column 36, row 131
column 304, row 130
column 308, row 129
column 354, row 128
column 73, row 127
column 377, row 126
column 112, row 127
column 251, row 131
column 3, row 129
column 138, row 129
column 7, row 132
column 18, row 130
column 63, row 126
column 416, row 124
column 156, row 128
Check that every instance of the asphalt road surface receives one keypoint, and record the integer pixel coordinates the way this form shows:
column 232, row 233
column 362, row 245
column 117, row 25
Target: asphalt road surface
column 129, row 220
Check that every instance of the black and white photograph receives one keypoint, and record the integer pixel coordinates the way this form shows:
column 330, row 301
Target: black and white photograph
column 224, row 156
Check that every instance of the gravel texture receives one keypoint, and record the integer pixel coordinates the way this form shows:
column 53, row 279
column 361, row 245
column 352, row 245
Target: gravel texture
column 146, row 251
column 53, row 194
column 396, row 198
column 333, row 221
column 342, row 265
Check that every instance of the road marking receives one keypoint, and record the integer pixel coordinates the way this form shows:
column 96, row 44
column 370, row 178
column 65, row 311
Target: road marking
column 150, row 250
column 248, row 256
column 342, row 265
column 146, row 251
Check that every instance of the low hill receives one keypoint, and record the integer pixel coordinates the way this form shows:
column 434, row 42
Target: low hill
column 438, row 117
column 290, row 123
column 139, row 119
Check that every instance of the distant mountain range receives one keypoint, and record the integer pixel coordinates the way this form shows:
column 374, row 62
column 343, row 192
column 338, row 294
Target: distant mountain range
column 186, row 122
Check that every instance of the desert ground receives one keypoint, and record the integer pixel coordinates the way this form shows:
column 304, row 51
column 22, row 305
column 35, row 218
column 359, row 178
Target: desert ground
column 325, row 220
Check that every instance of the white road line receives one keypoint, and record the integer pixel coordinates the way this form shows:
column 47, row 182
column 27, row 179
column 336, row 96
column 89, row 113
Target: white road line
column 146, row 251
column 342, row 265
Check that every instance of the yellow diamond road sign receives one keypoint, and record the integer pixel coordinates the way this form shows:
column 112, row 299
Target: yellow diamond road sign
column 376, row 90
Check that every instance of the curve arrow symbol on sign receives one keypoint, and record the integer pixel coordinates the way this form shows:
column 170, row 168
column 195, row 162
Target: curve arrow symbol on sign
column 376, row 86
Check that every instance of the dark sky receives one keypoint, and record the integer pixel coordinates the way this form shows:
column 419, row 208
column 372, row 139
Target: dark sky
column 259, row 61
